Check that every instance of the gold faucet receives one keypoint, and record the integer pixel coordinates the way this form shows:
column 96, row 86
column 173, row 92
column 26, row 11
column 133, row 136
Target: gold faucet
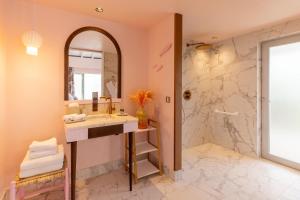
column 110, row 108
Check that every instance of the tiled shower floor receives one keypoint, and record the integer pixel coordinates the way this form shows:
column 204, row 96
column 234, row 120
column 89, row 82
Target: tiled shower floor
column 210, row 172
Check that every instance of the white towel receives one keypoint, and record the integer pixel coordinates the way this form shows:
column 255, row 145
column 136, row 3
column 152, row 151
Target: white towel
column 74, row 118
column 41, row 170
column 40, row 154
column 42, row 162
column 45, row 145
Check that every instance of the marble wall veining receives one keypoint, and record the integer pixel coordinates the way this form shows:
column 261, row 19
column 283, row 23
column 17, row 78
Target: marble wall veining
column 227, row 78
column 234, row 89
column 110, row 70
column 196, row 111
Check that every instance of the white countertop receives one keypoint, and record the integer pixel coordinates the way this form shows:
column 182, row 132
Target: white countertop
column 79, row 130
column 101, row 120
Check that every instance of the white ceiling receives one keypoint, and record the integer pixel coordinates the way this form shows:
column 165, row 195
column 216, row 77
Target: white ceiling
column 202, row 19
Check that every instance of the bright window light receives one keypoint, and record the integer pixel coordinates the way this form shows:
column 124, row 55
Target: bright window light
column 285, row 101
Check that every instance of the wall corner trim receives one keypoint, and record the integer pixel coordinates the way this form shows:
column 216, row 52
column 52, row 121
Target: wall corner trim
column 177, row 92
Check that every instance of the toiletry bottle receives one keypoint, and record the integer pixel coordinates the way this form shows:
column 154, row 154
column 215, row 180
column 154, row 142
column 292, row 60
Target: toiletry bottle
column 122, row 111
column 95, row 101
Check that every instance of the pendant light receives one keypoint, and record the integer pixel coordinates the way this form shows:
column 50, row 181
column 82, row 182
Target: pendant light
column 32, row 41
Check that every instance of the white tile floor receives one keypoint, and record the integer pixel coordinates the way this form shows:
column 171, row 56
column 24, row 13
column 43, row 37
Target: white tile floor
column 210, row 172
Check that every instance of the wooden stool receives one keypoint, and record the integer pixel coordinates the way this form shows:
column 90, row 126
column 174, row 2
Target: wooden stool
column 17, row 192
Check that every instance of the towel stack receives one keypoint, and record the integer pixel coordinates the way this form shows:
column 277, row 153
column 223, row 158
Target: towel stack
column 74, row 118
column 42, row 157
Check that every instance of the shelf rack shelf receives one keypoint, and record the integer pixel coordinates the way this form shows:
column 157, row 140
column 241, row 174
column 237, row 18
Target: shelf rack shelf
column 145, row 167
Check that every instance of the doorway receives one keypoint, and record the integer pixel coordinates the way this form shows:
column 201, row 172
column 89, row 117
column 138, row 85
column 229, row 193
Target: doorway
column 281, row 100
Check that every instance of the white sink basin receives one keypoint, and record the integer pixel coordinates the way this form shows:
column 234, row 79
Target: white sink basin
column 100, row 116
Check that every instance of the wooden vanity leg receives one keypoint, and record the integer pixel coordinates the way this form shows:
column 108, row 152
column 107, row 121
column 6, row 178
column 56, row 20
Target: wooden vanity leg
column 73, row 169
column 130, row 159
column 126, row 152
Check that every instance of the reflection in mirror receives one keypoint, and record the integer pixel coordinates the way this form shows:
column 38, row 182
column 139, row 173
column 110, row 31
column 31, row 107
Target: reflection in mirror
column 92, row 67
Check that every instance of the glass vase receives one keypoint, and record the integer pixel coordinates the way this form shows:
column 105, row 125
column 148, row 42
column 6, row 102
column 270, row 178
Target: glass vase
column 142, row 118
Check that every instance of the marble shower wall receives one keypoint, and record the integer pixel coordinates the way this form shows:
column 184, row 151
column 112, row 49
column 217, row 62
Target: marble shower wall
column 196, row 111
column 110, row 69
column 227, row 78
column 233, row 75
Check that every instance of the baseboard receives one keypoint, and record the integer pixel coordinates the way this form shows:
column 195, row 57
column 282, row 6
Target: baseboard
column 98, row 170
column 174, row 175
column 177, row 175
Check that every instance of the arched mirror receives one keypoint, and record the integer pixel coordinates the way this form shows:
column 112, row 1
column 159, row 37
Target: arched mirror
column 92, row 64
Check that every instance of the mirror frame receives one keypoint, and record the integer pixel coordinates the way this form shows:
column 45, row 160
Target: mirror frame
column 66, row 57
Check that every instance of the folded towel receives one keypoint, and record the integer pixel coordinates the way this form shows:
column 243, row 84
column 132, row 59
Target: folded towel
column 45, row 145
column 40, row 154
column 41, row 170
column 44, row 161
column 74, row 118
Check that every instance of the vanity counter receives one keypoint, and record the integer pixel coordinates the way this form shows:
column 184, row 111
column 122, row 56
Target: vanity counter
column 80, row 130
column 96, row 126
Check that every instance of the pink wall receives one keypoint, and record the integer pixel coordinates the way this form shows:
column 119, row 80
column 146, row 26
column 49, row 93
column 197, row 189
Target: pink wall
column 35, row 84
column 161, row 81
column 2, row 95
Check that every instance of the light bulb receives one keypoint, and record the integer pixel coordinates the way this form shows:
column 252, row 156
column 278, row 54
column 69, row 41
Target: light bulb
column 32, row 51
column 32, row 40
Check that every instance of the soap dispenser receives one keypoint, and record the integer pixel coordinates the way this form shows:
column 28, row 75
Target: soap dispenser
column 95, row 101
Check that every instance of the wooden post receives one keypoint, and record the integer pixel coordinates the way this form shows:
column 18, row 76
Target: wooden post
column 134, row 159
column 159, row 148
column 126, row 152
column 67, row 192
column 130, row 160
column 73, row 169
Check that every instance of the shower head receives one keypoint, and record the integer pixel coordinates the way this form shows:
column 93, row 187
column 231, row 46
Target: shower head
column 200, row 46
column 204, row 47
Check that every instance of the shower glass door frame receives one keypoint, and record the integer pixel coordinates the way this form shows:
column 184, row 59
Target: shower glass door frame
column 265, row 55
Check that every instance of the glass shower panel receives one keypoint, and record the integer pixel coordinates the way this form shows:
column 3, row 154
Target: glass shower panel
column 284, row 101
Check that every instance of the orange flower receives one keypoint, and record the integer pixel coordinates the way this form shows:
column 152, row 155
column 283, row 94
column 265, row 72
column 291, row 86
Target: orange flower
column 142, row 97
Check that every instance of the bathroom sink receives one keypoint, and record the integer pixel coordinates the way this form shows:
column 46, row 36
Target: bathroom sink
column 99, row 120
column 100, row 116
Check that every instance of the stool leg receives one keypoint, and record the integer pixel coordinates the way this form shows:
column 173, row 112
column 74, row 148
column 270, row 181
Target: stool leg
column 67, row 192
column 12, row 191
column 21, row 194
